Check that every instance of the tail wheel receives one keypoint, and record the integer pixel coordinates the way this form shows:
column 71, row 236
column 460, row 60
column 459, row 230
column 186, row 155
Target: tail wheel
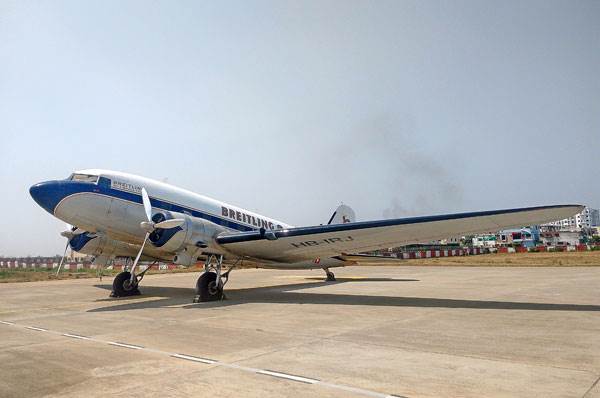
column 330, row 276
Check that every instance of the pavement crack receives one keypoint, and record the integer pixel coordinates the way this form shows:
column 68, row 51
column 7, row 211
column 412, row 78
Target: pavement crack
column 587, row 393
column 462, row 355
column 282, row 349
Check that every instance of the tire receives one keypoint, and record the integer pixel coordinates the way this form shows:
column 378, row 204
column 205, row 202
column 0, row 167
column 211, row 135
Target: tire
column 330, row 276
column 122, row 286
column 206, row 289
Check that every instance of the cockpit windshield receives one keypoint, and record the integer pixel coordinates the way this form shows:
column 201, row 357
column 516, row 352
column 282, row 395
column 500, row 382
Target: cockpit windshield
column 84, row 178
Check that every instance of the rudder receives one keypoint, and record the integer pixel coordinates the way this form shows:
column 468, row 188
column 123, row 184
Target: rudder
column 342, row 215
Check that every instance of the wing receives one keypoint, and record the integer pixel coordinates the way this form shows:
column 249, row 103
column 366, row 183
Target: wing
column 307, row 243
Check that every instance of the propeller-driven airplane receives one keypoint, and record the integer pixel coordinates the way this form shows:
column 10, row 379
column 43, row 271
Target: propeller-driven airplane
column 115, row 214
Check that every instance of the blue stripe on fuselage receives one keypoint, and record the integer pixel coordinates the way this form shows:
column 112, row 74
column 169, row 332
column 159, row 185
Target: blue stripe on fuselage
column 105, row 189
column 56, row 191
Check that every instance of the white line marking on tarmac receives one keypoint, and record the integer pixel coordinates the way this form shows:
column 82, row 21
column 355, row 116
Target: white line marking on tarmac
column 34, row 328
column 76, row 336
column 207, row 361
column 355, row 390
column 133, row 347
column 288, row 376
column 195, row 359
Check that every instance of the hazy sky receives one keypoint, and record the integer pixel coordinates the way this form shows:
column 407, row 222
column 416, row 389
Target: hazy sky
column 287, row 108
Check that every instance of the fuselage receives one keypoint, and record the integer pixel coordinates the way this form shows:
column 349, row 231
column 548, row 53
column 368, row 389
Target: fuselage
column 109, row 203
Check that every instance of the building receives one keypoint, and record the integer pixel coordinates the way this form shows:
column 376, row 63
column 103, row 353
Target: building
column 554, row 235
column 586, row 219
column 455, row 240
column 526, row 237
column 594, row 218
column 488, row 240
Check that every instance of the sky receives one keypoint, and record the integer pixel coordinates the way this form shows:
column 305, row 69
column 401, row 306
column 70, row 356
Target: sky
column 287, row 108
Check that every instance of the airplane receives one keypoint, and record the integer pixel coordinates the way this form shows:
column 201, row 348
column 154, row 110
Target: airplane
column 115, row 214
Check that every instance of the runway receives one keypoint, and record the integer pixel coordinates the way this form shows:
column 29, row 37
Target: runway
column 376, row 332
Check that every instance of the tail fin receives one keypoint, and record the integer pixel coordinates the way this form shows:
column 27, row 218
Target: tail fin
column 343, row 214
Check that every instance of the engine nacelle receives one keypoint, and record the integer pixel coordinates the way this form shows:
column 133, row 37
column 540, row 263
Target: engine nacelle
column 99, row 245
column 195, row 234
column 184, row 258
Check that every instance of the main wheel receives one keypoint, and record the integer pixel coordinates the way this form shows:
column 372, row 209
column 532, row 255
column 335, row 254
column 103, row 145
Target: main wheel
column 207, row 289
column 123, row 287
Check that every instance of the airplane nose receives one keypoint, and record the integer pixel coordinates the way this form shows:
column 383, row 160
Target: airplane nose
column 46, row 194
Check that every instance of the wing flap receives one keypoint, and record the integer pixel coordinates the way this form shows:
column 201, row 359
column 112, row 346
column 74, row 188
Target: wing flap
column 306, row 243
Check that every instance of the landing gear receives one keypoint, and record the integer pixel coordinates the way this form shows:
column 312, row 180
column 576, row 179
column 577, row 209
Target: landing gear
column 123, row 287
column 126, row 283
column 330, row 275
column 209, row 286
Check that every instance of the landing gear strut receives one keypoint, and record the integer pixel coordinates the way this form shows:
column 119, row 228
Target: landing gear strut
column 126, row 283
column 330, row 275
column 209, row 286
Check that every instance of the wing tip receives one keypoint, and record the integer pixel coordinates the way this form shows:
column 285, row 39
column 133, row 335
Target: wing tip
column 577, row 206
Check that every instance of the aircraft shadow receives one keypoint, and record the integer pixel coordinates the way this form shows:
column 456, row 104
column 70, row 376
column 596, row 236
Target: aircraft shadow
column 166, row 297
column 172, row 296
column 359, row 279
column 291, row 294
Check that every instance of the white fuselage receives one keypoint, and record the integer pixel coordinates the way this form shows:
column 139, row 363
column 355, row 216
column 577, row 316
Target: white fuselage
column 110, row 205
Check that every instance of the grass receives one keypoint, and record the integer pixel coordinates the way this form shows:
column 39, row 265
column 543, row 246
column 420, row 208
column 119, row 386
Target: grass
column 33, row 275
column 542, row 259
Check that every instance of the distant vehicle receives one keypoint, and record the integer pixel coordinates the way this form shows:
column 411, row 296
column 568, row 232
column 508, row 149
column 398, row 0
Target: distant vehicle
column 115, row 214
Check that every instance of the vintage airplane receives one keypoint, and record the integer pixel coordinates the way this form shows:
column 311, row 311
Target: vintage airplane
column 115, row 214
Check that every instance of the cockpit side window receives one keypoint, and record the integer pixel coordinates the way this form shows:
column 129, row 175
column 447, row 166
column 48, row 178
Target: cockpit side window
column 84, row 178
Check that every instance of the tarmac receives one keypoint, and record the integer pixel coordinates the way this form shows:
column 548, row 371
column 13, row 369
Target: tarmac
column 386, row 331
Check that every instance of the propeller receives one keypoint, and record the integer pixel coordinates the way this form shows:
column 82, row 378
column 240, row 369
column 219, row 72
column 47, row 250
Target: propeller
column 71, row 232
column 149, row 226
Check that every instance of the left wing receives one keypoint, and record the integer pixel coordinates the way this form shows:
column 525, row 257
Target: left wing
column 309, row 243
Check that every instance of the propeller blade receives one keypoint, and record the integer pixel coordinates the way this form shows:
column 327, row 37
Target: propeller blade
column 175, row 222
column 147, row 205
column 71, row 233
column 63, row 258
column 137, row 258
